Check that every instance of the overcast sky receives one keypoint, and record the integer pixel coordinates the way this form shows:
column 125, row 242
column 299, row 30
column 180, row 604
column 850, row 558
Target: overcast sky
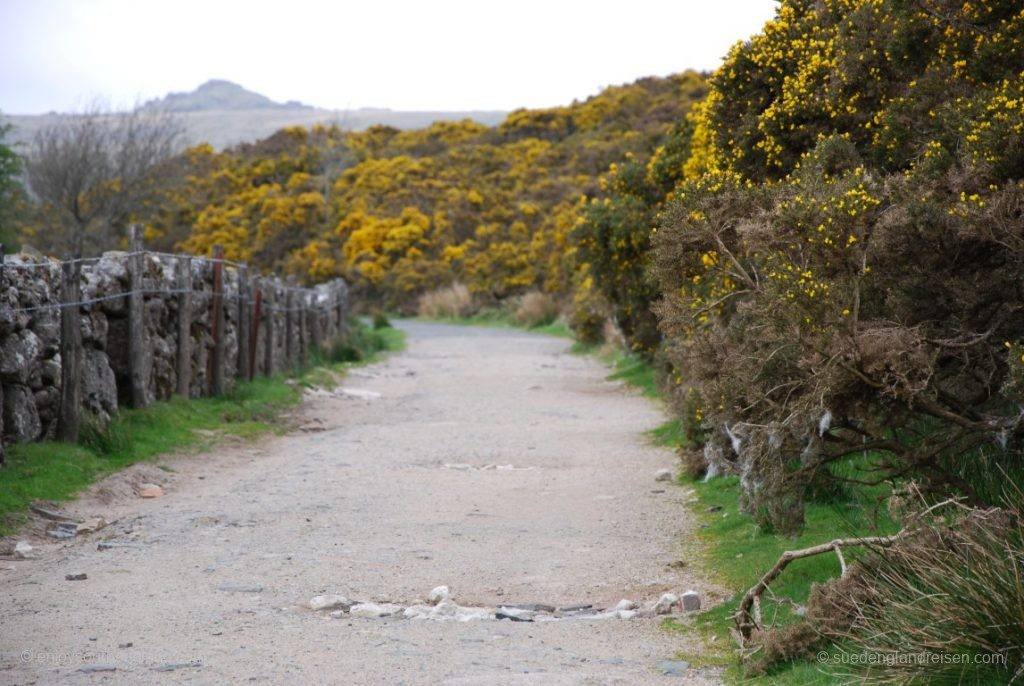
column 426, row 55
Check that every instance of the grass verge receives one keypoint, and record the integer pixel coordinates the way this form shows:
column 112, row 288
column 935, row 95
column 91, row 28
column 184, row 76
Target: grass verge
column 731, row 548
column 51, row 470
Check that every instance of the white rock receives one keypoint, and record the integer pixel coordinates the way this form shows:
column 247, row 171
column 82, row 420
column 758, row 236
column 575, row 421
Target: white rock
column 23, row 550
column 338, row 614
column 445, row 608
column 525, row 615
column 374, row 610
column 358, row 393
column 472, row 614
column 663, row 475
column 329, row 602
column 626, row 614
column 666, row 603
column 691, row 601
column 626, row 605
column 438, row 594
column 417, row 612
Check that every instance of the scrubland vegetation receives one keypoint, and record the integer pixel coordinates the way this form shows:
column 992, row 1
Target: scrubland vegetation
column 818, row 250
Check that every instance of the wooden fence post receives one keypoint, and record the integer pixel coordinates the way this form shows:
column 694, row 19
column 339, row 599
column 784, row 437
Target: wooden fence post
column 3, row 456
column 303, row 328
column 136, row 321
column 289, row 324
column 314, row 329
column 70, row 352
column 244, row 303
column 268, row 338
column 184, row 361
column 257, row 312
column 217, row 321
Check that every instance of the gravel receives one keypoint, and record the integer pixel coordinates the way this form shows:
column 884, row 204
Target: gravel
column 554, row 509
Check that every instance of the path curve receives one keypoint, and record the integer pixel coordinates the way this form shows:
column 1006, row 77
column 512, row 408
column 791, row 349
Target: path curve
column 490, row 460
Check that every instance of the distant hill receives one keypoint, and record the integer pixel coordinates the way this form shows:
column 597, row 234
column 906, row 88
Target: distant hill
column 225, row 114
column 218, row 94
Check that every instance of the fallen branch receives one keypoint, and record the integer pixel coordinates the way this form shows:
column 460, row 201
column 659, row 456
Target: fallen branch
column 748, row 616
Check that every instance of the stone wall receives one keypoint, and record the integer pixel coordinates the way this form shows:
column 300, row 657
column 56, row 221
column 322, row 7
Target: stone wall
column 30, row 332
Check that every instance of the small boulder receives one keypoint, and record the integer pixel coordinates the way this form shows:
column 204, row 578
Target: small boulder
column 663, row 475
column 91, row 525
column 150, row 491
column 23, row 550
column 626, row 605
column 666, row 603
column 691, row 601
column 438, row 594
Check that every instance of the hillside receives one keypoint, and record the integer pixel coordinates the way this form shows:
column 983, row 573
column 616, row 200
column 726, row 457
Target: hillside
column 224, row 114
column 219, row 94
column 400, row 212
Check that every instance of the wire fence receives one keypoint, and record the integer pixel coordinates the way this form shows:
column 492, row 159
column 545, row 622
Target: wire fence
column 272, row 326
column 236, row 297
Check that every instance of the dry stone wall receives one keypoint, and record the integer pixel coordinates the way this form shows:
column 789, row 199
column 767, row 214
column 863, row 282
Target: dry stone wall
column 282, row 324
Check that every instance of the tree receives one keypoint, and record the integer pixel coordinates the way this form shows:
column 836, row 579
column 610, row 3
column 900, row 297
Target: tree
column 91, row 172
column 10, row 186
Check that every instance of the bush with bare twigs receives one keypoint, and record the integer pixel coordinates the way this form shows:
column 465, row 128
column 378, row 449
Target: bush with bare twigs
column 536, row 309
column 450, row 301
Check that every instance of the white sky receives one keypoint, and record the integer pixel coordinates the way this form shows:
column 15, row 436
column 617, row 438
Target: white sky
column 426, row 55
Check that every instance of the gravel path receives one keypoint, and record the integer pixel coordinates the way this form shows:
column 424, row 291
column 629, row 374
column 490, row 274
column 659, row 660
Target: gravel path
column 489, row 460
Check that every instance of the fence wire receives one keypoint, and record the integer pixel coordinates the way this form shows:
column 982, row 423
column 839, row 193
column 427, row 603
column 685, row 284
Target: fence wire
column 236, row 297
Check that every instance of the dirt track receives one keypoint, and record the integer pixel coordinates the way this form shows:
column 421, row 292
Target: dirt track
column 492, row 461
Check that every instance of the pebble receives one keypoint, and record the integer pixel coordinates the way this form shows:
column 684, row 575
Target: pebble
column 64, row 530
column 23, row 550
column 674, row 667
column 691, row 601
column 438, row 594
column 374, row 610
column 329, row 602
column 240, row 588
column 172, row 666
column 91, row 525
column 666, row 603
column 75, row 577
column 150, row 491
column 663, row 475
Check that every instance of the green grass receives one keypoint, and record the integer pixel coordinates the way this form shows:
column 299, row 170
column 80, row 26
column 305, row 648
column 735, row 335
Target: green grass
column 50, row 470
column 636, row 372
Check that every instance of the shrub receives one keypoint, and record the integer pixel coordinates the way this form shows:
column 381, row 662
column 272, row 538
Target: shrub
column 588, row 311
column 952, row 594
column 536, row 309
column 451, row 301
column 844, row 278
